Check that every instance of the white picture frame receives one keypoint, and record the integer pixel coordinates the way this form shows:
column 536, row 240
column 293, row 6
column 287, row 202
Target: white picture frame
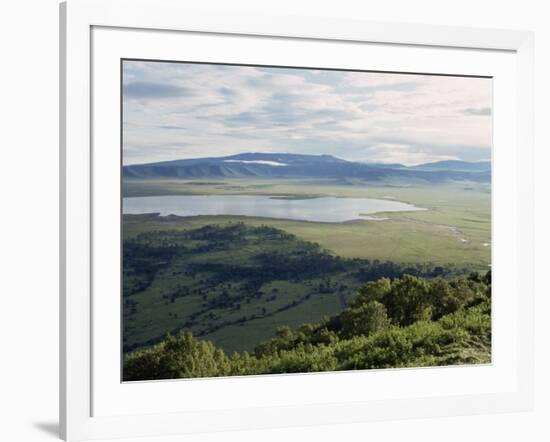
column 82, row 415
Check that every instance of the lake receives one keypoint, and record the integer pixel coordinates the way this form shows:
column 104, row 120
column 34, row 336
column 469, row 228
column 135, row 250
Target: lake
column 323, row 209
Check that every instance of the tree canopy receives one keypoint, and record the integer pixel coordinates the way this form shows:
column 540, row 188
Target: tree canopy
column 405, row 322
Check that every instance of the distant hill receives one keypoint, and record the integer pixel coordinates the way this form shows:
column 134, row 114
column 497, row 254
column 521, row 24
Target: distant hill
column 286, row 165
column 463, row 166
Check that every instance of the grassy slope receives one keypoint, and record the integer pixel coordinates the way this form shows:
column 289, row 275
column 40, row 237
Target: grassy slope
column 155, row 313
column 440, row 324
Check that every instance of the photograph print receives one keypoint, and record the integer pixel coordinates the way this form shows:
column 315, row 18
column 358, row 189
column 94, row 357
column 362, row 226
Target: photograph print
column 296, row 220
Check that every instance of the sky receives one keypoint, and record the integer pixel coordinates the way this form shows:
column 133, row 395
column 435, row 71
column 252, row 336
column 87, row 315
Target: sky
column 182, row 110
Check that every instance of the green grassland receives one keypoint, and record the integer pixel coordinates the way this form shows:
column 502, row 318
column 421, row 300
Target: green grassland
column 406, row 322
column 234, row 284
column 214, row 281
column 455, row 229
column 225, row 277
column 203, row 278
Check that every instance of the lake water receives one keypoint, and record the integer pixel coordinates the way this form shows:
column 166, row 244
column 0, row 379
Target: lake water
column 324, row 209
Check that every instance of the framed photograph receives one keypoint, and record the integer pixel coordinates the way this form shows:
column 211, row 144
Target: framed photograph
column 274, row 221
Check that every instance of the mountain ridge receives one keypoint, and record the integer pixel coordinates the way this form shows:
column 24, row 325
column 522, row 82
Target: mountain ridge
column 454, row 165
column 289, row 165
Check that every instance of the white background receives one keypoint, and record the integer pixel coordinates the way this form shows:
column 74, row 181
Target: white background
column 29, row 202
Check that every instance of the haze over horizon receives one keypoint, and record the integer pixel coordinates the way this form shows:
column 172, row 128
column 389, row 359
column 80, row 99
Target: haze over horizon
column 294, row 153
column 177, row 111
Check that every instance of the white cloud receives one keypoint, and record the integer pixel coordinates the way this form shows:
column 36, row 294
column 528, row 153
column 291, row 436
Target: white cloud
column 178, row 110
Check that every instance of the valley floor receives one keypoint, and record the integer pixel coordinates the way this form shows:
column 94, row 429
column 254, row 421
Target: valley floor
column 456, row 228
column 226, row 278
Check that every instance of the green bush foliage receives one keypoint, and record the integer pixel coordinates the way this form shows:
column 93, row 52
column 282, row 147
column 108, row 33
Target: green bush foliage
column 404, row 322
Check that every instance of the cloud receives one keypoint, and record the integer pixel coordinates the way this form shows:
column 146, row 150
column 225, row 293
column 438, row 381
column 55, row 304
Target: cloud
column 409, row 152
column 144, row 89
column 483, row 111
column 180, row 110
